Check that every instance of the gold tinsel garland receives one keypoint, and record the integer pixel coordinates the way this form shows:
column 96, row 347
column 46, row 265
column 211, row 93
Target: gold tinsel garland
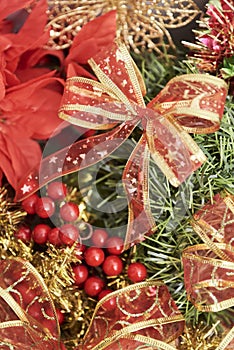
column 140, row 24
column 11, row 214
column 200, row 338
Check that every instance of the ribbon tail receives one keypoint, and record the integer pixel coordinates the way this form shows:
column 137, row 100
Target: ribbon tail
column 79, row 155
column 135, row 180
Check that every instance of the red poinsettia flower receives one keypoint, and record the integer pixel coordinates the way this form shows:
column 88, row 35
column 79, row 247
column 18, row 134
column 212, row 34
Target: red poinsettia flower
column 93, row 36
column 27, row 112
column 22, row 37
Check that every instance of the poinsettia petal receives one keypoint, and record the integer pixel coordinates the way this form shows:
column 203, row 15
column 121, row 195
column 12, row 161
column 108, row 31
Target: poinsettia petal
column 38, row 113
column 29, row 86
column 27, row 74
column 92, row 37
column 7, row 7
column 18, row 154
column 33, row 28
column 2, row 87
column 41, row 57
column 11, row 78
column 30, row 36
column 45, row 120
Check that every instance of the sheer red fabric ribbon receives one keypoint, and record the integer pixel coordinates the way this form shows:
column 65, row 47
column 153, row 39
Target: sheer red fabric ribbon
column 188, row 103
column 145, row 315
column 209, row 267
column 27, row 314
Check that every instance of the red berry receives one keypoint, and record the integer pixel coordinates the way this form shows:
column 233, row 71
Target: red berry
column 115, row 245
column 137, row 272
column 60, row 316
column 99, row 238
column 94, row 256
column 45, row 207
column 57, row 190
column 40, row 233
column 112, row 265
column 80, row 274
column 110, row 304
column 79, row 250
column 53, row 236
column 28, row 204
column 69, row 211
column 23, row 233
column 93, row 286
column 68, row 234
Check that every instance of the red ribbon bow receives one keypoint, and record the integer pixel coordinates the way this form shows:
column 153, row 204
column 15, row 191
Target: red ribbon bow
column 192, row 103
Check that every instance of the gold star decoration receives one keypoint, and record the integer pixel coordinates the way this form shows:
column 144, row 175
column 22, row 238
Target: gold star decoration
column 141, row 24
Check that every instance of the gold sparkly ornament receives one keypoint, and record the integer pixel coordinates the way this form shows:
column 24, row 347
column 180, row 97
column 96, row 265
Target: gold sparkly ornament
column 140, row 24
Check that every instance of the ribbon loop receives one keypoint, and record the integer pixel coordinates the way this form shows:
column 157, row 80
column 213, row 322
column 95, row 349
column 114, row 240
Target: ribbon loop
column 145, row 314
column 195, row 100
column 28, row 317
column 209, row 281
column 209, row 267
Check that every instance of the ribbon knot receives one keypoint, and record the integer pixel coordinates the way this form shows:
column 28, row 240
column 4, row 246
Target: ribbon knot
column 188, row 103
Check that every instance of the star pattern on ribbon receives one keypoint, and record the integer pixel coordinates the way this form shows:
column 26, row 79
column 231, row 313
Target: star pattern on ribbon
column 188, row 103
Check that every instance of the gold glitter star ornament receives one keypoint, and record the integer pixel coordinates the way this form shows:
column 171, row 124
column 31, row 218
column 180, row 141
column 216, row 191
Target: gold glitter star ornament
column 140, row 24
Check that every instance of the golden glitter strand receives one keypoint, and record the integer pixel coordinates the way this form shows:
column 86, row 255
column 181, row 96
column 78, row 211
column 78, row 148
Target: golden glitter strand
column 200, row 337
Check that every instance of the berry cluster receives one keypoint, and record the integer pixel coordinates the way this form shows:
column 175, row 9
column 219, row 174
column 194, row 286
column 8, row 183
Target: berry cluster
column 101, row 258
column 47, row 207
column 104, row 259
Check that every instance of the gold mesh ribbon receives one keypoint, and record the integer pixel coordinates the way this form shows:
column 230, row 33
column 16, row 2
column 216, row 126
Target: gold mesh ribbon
column 209, row 267
column 145, row 314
